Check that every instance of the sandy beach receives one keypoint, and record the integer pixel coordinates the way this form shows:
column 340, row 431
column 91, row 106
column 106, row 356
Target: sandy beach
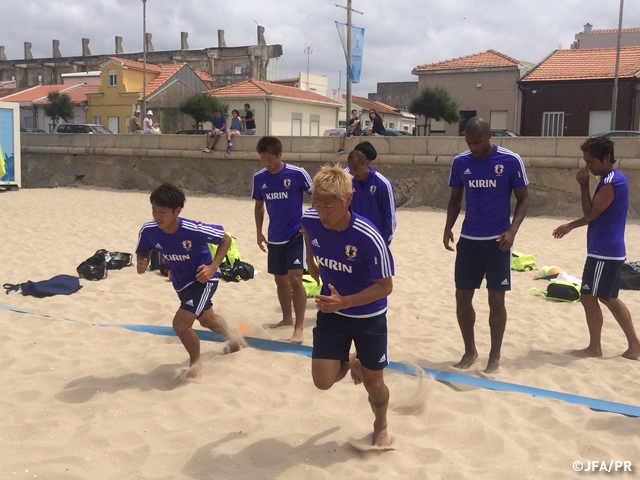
column 83, row 401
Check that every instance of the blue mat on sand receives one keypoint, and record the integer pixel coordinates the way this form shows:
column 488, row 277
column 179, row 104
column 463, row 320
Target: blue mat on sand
column 451, row 377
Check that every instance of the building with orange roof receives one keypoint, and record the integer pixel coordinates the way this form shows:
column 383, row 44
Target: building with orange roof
column 392, row 117
column 606, row 37
column 280, row 109
column 569, row 93
column 483, row 84
column 32, row 101
column 121, row 90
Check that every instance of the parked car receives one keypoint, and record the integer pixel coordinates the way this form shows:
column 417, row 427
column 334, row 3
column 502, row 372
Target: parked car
column 192, row 132
column 619, row 133
column 31, row 130
column 390, row 132
column 80, row 128
column 495, row 132
column 334, row 132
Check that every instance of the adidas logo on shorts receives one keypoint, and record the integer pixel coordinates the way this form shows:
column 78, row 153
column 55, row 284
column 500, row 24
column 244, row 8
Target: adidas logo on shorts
column 585, row 287
column 189, row 302
column 296, row 262
column 505, row 282
column 383, row 358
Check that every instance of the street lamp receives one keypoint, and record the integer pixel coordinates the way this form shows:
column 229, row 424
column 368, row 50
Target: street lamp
column 144, row 57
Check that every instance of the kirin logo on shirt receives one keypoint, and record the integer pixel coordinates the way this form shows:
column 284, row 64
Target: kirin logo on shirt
column 287, row 183
column 186, row 244
column 499, row 169
column 351, row 251
column 372, row 189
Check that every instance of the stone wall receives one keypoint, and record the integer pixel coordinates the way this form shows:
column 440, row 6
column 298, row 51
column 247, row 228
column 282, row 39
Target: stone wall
column 418, row 166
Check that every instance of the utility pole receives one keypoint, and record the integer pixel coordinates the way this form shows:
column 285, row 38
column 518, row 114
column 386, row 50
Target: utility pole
column 144, row 57
column 349, row 55
column 614, row 100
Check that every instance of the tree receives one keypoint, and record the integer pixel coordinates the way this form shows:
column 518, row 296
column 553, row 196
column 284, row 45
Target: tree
column 202, row 106
column 59, row 107
column 434, row 103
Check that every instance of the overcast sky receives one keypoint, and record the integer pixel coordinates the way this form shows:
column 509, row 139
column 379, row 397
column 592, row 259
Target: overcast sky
column 398, row 35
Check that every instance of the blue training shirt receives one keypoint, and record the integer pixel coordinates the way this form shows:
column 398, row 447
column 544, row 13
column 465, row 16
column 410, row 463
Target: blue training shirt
column 605, row 234
column 351, row 260
column 282, row 193
column 184, row 250
column 374, row 200
column 488, row 183
column 219, row 123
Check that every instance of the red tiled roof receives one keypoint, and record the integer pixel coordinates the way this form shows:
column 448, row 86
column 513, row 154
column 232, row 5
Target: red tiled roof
column 77, row 94
column 166, row 72
column 205, row 77
column 36, row 93
column 584, row 64
column 151, row 67
column 367, row 104
column 488, row 59
column 615, row 30
column 5, row 92
column 255, row 88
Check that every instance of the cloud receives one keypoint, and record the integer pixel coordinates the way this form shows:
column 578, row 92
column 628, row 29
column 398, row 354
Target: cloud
column 398, row 36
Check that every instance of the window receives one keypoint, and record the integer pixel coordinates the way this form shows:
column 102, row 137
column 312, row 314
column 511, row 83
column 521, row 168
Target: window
column 438, row 126
column 39, row 79
column 296, row 127
column 315, row 128
column 391, row 125
column 499, row 119
column 97, row 120
column 114, row 124
column 113, row 78
column 599, row 121
column 552, row 124
column 238, row 70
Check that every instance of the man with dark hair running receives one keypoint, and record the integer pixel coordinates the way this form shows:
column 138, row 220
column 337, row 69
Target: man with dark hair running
column 194, row 274
column 605, row 214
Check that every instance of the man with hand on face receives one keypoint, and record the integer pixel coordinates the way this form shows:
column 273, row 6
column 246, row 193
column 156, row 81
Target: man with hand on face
column 487, row 175
column 606, row 215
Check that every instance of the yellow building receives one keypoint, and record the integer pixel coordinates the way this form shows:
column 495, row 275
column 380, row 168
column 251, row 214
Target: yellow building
column 119, row 94
column 121, row 90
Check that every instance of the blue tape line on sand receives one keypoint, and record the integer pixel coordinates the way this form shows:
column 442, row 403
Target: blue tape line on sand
column 452, row 377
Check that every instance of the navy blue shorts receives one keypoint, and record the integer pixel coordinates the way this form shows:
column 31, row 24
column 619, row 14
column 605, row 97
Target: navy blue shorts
column 333, row 334
column 601, row 278
column 196, row 298
column 286, row 256
column 477, row 259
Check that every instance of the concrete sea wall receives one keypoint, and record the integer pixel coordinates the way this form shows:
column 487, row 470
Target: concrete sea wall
column 417, row 166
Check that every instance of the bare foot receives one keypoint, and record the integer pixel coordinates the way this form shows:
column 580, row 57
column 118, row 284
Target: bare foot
column 356, row 369
column 586, row 353
column 467, row 360
column 381, row 438
column 632, row 353
column 492, row 366
column 281, row 323
column 194, row 371
column 235, row 344
column 298, row 336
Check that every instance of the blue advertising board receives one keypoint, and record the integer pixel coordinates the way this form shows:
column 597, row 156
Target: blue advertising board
column 9, row 144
